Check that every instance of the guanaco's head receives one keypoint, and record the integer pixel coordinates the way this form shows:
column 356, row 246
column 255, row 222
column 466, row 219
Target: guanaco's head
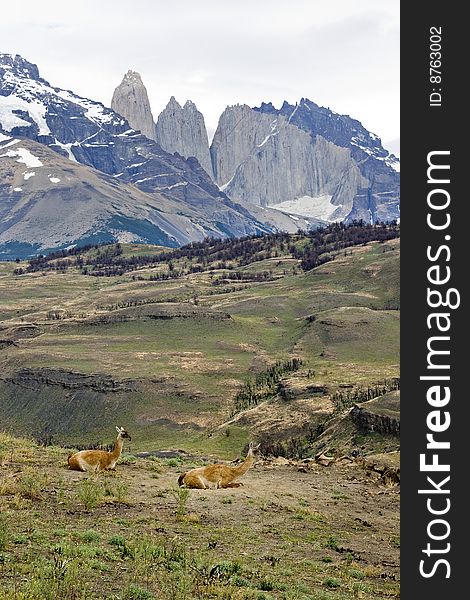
column 122, row 433
column 252, row 449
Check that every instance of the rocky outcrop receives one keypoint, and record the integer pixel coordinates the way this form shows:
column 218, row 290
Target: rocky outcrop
column 305, row 160
column 130, row 100
column 34, row 378
column 295, row 388
column 163, row 312
column 380, row 414
column 182, row 129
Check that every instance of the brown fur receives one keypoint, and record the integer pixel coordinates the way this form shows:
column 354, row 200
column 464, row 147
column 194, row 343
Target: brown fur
column 218, row 475
column 98, row 460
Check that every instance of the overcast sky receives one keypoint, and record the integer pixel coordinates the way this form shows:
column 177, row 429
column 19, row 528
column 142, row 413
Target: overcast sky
column 343, row 54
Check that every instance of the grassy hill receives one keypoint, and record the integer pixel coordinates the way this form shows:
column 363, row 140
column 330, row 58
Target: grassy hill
column 164, row 348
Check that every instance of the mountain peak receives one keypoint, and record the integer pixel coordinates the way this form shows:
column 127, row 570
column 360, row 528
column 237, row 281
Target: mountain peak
column 19, row 66
column 132, row 76
column 173, row 103
column 130, row 100
column 182, row 130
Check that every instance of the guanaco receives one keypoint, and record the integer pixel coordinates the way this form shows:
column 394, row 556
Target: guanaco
column 99, row 460
column 218, row 475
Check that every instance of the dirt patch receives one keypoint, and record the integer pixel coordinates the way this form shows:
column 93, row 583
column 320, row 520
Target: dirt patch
column 343, row 501
column 197, row 362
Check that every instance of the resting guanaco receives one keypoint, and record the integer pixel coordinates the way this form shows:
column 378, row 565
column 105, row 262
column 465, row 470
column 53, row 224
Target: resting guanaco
column 99, row 460
column 218, row 475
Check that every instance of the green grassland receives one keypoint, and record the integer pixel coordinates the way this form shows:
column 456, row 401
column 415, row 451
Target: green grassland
column 188, row 361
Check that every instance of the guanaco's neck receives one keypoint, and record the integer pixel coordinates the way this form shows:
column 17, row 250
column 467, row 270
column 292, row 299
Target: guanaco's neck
column 118, row 447
column 246, row 464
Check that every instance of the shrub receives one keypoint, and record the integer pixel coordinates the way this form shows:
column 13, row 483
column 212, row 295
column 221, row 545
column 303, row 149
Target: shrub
column 127, row 459
column 90, row 536
column 31, row 484
column 182, row 497
column 331, row 582
column 90, row 492
column 331, row 543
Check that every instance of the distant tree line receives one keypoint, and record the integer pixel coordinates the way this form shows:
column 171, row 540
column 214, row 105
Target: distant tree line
column 243, row 276
column 343, row 399
column 311, row 248
column 324, row 243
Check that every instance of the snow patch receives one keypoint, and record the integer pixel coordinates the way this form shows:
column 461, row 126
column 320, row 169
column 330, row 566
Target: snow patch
column 393, row 162
column 67, row 148
column 24, row 156
column 17, row 189
column 292, row 113
column 127, row 132
column 93, row 110
column 152, row 177
column 54, row 179
column 12, row 143
column 390, row 159
column 126, row 237
column 35, row 109
column 28, row 175
column 179, row 184
column 223, row 187
column 316, row 207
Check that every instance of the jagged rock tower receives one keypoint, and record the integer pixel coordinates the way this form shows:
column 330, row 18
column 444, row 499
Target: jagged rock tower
column 182, row 129
column 130, row 100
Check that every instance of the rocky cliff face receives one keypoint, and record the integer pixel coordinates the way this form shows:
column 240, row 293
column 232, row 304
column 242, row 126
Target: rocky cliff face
column 182, row 129
column 269, row 162
column 130, row 100
column 306, row 160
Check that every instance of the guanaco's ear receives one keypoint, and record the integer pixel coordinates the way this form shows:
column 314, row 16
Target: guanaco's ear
column 119, row 429
column 257, row 447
